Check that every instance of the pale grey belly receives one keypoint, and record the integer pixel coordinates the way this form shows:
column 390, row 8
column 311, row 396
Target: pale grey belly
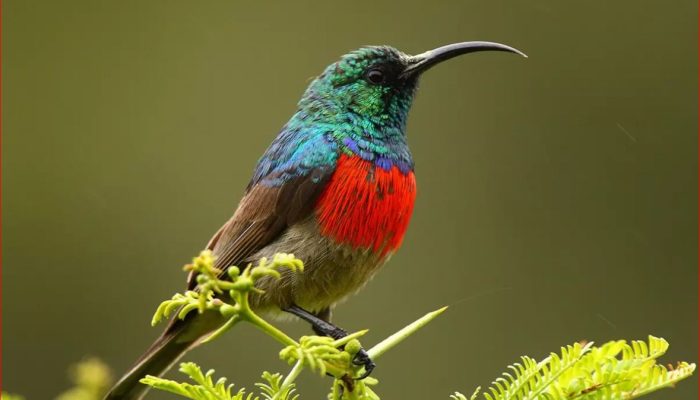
column 331, row 271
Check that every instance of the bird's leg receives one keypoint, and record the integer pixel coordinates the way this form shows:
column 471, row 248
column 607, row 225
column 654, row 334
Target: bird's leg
column 324, row 315
column 319, row 324
column 322, row 326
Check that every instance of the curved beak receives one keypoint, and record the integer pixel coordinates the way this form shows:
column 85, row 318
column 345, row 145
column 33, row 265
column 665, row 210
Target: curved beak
column 422, row 62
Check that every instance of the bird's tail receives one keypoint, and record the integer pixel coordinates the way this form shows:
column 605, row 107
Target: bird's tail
column 179, row 337
column 162, row 354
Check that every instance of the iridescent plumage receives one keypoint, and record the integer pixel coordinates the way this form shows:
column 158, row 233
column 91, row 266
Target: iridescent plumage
column 338, row 178
column 336, row 188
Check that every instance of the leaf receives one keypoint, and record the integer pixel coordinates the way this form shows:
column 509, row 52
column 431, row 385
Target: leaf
column 273, row 388
column 615, row 370
column 205, row 388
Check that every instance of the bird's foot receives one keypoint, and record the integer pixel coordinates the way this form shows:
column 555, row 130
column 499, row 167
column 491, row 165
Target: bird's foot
column 362, row 358
column 325, row 328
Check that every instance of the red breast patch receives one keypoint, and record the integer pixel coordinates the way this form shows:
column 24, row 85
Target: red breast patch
column 366, row 206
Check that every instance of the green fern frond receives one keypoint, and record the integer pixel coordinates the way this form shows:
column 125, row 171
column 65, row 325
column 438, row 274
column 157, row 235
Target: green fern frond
column 205, row 388
column 460, row 396
column 659, row 377
column 273, row 390
column 615, row 370
column 316, row 353
column 283, row 260
column 530, row 378
column 185, row 302
column 209, row 285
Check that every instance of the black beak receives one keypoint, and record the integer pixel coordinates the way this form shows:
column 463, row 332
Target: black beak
column 422, row 62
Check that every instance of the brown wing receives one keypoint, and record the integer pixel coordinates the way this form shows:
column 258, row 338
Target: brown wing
column 262, row 216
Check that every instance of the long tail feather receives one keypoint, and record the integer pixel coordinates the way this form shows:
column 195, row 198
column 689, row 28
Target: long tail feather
column 155, row 361
column 179, row 337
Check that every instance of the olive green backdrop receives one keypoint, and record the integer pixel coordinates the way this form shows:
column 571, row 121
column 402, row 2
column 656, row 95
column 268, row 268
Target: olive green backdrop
column 557, row 194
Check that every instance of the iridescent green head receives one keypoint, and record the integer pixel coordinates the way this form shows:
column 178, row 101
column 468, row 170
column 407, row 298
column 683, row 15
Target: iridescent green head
column 378, row 83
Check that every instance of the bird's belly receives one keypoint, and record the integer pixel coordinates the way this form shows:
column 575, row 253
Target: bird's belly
column 359, row 221
column 332, row 271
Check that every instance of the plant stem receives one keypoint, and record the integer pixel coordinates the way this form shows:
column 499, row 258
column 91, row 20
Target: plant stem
column 386, row 344
column 289, row 379
column 345, row 339
column 228, row 325
column 266, row 327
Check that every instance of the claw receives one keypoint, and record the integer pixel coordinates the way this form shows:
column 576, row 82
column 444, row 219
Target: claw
column 362, row 358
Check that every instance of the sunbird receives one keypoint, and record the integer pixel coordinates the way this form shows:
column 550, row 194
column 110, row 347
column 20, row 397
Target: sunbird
column 335, row 188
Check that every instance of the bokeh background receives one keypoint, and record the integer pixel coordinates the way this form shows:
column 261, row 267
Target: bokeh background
column 557, row 194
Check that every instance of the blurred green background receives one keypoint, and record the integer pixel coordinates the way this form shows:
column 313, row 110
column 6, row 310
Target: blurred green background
column 557, row 195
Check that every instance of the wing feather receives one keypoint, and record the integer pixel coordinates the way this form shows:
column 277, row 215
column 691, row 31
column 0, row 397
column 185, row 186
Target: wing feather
column 263, row 215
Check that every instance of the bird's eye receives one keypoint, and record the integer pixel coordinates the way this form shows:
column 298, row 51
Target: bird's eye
column 375, row 76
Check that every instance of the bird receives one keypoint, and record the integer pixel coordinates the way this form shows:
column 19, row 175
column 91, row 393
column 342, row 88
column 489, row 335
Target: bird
column 336, row 188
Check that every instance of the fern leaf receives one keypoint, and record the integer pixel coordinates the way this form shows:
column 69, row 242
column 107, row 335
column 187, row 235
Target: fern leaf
column 205, row 388
column 272, row 390
column 614, row 371
column 316, row 353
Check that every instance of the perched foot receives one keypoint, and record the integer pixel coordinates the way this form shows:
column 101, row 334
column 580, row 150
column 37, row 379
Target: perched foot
column 362, row 358
column 325, row 328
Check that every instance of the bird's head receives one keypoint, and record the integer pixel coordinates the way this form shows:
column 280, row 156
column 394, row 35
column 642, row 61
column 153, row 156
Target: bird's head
column 377, row 83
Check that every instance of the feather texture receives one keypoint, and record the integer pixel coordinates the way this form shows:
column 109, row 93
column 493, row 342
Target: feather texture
column 335, row 187
column 366, row 206
column 263, row 214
